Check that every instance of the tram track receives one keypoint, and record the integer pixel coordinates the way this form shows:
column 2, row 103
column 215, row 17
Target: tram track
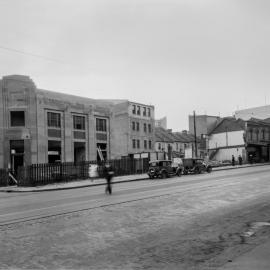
column 124, row 195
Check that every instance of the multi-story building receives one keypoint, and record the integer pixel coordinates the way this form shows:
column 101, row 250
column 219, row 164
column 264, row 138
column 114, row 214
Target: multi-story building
column 40, row 126
column 133, row 130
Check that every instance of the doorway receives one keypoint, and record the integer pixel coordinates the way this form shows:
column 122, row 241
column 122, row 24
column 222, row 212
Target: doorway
column 16, row 155
column 79, row 152
column 54, row 151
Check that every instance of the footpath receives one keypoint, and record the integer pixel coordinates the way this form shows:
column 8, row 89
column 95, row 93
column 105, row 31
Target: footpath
column 101, row 181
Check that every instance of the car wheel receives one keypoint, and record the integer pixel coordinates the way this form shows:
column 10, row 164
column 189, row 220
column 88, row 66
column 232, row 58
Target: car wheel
column 179, row 173
column 209, row 169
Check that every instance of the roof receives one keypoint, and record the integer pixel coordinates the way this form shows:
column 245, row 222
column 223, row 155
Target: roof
column 228, row 124
column 163, row 135
column 185, row 137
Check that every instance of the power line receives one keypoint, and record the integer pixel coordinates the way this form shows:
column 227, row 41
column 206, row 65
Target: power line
column 31, row 54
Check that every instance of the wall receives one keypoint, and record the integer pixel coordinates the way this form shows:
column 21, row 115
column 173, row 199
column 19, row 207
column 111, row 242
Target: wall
column 226, row 139
column 226, row 154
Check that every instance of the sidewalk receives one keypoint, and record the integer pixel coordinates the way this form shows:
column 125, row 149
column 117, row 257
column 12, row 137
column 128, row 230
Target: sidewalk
column 100, row 181
column 256, row 259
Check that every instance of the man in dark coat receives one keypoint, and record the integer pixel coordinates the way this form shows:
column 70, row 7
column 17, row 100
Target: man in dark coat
column 108, row 174
column 233, row 160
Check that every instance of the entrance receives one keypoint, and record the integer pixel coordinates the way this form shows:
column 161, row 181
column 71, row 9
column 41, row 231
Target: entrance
column 54, row 151
column 16, row 155
column 79, row 152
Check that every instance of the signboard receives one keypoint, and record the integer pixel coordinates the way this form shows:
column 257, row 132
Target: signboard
column 144, row 155
column 136, row 156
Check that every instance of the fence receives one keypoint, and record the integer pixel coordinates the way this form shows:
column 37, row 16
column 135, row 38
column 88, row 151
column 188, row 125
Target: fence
column 3, row 177
column 42, row 174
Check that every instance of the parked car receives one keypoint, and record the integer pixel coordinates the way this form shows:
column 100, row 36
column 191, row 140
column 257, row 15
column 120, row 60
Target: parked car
column 195, row 165
column 164, row 169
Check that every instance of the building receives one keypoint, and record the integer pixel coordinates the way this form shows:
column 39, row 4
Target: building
column 162, row 122
column 133, row 129
column 240, row 138
column 175, row 144
column 261, row 112
column 204, row 125
column 40, row 126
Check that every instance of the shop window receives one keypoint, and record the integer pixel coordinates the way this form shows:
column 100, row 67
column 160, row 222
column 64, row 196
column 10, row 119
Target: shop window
column 54, row 119
column 17, row 119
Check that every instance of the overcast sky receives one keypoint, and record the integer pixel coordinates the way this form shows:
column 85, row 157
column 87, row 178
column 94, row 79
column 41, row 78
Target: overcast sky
column 211, row 56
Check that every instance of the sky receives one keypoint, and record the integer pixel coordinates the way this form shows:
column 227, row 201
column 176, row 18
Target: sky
column 207, row 56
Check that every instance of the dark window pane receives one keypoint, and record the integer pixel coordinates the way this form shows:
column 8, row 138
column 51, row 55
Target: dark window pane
column 17, row 119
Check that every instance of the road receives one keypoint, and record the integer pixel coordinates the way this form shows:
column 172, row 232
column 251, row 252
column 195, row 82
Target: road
column 188, row 222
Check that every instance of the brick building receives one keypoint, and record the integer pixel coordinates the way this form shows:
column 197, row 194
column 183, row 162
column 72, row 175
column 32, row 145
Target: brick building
column 40, row 126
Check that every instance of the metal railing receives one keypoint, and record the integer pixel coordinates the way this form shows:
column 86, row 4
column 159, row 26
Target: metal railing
column 42, row 174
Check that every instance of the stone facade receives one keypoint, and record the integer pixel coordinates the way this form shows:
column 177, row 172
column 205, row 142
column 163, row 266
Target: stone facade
column 40, row 126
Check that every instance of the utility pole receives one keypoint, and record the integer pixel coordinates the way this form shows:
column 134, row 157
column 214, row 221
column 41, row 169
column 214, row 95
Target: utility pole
column 195, row 135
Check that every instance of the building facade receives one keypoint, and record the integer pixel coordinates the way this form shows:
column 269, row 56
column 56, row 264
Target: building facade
column 40, row 126
column 133, row 131
column 248, row 139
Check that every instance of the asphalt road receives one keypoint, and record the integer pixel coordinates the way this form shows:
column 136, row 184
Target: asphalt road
column 190, row 222
column 16, row 207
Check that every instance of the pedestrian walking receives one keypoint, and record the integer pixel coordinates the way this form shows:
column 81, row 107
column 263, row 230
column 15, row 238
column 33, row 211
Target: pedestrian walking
column 240, row 160
column 233, row 160
column 108, row 173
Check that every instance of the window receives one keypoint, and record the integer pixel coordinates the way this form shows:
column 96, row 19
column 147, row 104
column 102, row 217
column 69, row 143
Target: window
column 133, row 126
column 138, row 143
column 78, row 122
column 54, row 119
column 138, row 110
column 134, row 143
column 101, row 125
column 144, row 127
column 138, row 126
column 149, row 112
column 144, row 111
column 150, row 144
column 159, row 146
column 145, row 144
column 17, row 119
column 263, row 134
column 149, row 128
column 134, row 109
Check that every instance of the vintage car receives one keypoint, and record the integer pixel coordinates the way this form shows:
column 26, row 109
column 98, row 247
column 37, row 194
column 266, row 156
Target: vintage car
column 164, row 169
column 195, row 165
